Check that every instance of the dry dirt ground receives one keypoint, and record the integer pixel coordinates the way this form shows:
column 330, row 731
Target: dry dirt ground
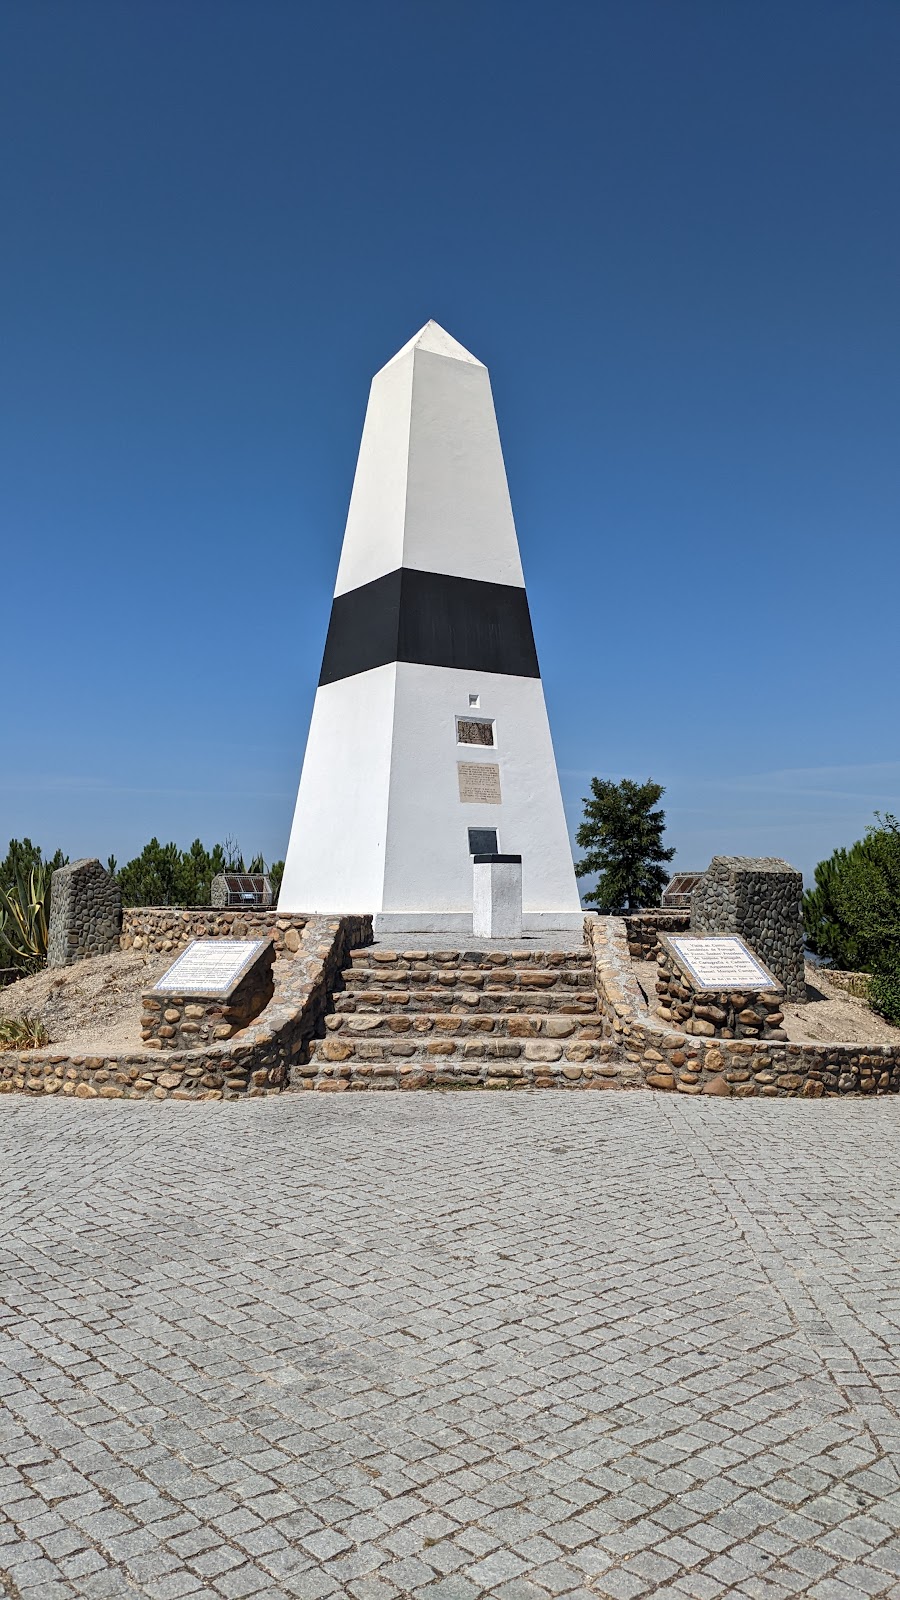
column 830, row 1015
column 94, row 1005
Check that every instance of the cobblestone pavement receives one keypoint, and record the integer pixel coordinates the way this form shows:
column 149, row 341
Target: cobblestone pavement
column 445, row 1346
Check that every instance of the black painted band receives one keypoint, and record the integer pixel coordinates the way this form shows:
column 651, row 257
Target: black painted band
column 431, row 619
column 492, row 861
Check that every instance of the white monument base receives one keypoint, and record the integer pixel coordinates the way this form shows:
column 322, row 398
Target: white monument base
column 497, row 897
column 534, row 923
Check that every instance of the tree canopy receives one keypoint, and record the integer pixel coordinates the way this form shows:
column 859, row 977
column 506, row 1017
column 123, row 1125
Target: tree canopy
column 622, row 836
column 21, row 856
column 852, row 915
column 164, row 875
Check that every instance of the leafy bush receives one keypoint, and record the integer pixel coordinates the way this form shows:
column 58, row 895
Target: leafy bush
column 827, row 933
column 884, row 994
column 853, row 913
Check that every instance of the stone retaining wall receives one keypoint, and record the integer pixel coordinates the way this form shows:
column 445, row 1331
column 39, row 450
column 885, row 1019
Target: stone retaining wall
column 166, row 929
column 644, row 927
column 256, row 1062
column 660, row 1058
column 855, row 983
column 184, row 1020
column 636, row 1049
column 714, row 1013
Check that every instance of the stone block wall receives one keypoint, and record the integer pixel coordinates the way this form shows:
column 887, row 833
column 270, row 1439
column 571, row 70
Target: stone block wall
column 644, row 927
column 761, row 899
column 164, row 930
column 715, row 1013
column 257, row 1062
column 174, row 1021
column 657, row 1056
column 855, row 983
column 85, row 913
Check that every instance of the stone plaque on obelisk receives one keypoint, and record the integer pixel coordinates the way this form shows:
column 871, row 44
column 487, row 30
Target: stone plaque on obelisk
column 430, row 673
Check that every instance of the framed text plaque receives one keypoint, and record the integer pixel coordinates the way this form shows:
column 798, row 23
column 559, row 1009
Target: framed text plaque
column 479, row 782
column 721, row 961
column 208, row 966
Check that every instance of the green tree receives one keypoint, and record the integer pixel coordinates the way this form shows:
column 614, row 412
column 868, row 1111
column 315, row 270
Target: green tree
column 276, row 873
column 164, row 875
column 852, row 916
column 622, row 836
column 21, row 856
column 826, row 931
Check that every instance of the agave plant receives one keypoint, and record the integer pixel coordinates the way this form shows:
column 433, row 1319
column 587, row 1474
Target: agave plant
column 25, row 917
column 22, row 1033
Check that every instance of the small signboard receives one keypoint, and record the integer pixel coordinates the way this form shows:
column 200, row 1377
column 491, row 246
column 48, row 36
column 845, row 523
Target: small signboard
column 721, row 961
column 479, row 782
column 209, row 966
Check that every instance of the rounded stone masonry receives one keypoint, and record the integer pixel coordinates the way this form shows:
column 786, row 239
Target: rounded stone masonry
column 256, row 1063
column 714, row 1013
column 85, row 913
column 163, row 930
column 183, row 1018
column 760, row 898
column 643, row 929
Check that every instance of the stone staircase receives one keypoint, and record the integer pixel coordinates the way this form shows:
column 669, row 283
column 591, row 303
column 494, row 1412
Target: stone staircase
column 461, row 1019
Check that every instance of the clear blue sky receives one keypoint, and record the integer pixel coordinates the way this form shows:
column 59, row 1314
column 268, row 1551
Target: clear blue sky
column 671, row 230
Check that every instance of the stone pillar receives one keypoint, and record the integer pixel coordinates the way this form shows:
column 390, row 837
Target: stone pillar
column 497, row 897
column 85, row 913
column 760, row 898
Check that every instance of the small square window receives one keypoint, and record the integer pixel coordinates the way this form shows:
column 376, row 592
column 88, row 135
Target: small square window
column 474, row 702
column 482, row 841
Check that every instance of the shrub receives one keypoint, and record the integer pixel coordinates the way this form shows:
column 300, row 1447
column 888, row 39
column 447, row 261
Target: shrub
column 884, row 994
column 22, row 1033
column 25, row 917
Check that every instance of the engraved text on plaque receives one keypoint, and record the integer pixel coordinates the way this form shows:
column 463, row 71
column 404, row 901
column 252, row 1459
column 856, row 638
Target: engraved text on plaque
column 722, row 963
column 479, row 782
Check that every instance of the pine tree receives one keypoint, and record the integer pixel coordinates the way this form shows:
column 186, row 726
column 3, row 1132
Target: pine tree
column 622, row 835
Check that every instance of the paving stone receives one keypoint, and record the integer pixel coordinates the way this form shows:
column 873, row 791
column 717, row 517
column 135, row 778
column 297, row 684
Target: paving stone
column 528, row 1346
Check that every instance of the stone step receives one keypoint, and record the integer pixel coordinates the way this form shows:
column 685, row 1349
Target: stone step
column 496, row 980
column 561, row 1001
column 437, row 1049
column 454, row 1025
column 481, row 960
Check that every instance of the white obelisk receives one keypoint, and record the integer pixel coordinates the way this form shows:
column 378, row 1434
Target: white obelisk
column 429, row 741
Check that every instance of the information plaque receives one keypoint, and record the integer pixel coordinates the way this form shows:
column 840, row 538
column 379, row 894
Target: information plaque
column 722, row 962
column 479, row 782
column 208, row 966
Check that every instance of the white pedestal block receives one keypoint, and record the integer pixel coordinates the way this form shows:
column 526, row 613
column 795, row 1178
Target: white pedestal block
column 497, row 897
